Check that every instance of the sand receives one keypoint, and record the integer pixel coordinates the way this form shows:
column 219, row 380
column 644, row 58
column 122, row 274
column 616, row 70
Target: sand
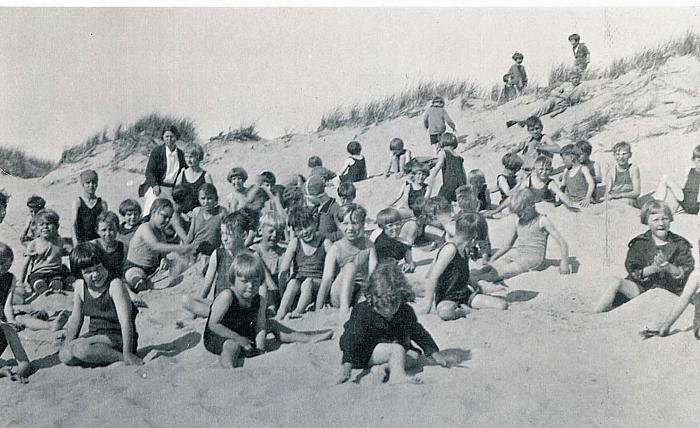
column 547, row 361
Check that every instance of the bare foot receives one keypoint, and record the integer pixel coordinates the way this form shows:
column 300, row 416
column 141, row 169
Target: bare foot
column 463, row 311
column 381, row 372
column 396, row 380
column 5, row 372
column 23, row 369
column 60, row 320
column 295, row 315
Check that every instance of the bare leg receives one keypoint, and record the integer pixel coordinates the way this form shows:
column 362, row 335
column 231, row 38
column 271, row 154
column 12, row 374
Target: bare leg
column 290, row 293
column 94, row 350
column 134, row 278
column 307, row 291
column 287, row 335
column 32, row 323
column 689, row 293
column 230, row 353
column 23, row 364
column 485, row 301
column 448, row 310
column 344, row 288
column 409, row 232
column 196, row 306
column 616, row 285
column 669, row 191
column 395, row 355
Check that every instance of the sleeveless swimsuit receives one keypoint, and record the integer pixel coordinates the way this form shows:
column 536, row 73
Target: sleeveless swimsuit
column 413, row 195
column 238, row 319
column 104, row 319
column 453, row 284
column 576, row 186
column 309, row 266
column 192, row 199
column 453, row 176
column 86, row 222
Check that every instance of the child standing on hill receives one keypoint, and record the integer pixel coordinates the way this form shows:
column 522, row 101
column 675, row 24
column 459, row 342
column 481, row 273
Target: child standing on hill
column 658, row 258
column 87, row 208
column 35, row 204
column 434, row 121
column 517, row 70
column 130, row 210
column 381, row 330
column 451, row 166
column 354, row 168
column 687, row 196
column 623, row 181
column 43, row 268
column 386, row 240
column 414, row 189
column 193, row 177
column 399, row 158
column 354, row 255
column 237, row 324
column 237, row 199
column 536, row 145
column 508, row 179
column 581, row 55
column 577, row 181
column 113, row 251
column 205, row 229
column 112, row 332
column 306, row 255
column 317, row 168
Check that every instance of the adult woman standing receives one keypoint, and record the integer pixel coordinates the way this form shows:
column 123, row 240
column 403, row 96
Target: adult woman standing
column 165, row 164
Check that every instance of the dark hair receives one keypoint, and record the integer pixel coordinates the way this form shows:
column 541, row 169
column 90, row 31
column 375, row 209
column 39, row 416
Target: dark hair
column 354, row 148
column 570, row 149
column 268, row 178
column 467, row 198
column 85, row 255
column 506, row 77
column 129, row 205
column 87, row 175
column 6, row 252
column 388, row 216
column 236, row 220
column 108, row 217
column 209, row 190
column 301, row 217
column 315, row 161
column 696, row 152
column 4, row 197
column 512, row 162
column 517, row 55
column 47, row 215
column 621, row 145
column 396, row 145
column 388, row 286
column 181, row 194
column 575, row 37
column 448, row 139
column 159, row 204
column 173, row 129
column 418, row 166
column 467, row 224
column 356, row 212
column 292, row 197
column 533, row 121
column 585, row 147
column 347, row 190
column 237, row 172
column 436, row 205
column 36, row 202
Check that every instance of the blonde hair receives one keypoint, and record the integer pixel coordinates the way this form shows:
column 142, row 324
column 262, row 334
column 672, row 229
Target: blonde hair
column 247, row 266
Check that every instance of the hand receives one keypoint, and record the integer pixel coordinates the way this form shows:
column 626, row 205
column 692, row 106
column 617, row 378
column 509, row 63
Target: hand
column 585, row 203
column 132, row 360
column 156, row 190
column 163, row 263
column 660, row 260
column 408, row 267
column 564, row 268
column 344, row 374
column 439, row 359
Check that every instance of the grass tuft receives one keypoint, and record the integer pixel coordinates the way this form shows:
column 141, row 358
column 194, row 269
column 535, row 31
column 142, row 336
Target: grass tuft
column 17, row 163
column 240, row 134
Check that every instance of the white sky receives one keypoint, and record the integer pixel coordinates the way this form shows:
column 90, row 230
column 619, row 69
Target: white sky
column 67, row 73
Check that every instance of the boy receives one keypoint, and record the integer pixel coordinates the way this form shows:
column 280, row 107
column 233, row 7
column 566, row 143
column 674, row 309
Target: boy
column 131, row 211
column 86, row 209
column 43, row 268
column 508, row 179
column 347, row 192
column 537, row 144
column 685, row 198
column 271, row 229
column 434, row 121
column 509, row 91
column 354, row 168
column 386, row 243
column 325, row 208
column 581, row 55
column 593, row 167
column 623, row 180
column 517, row 71
column 35, row 204
column 577, row 182
column 317, row 168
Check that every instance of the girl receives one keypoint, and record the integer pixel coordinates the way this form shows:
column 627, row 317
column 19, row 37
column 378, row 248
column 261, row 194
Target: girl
column 448, row 279
column 237, row 199
column 468, row 202
column 451, row 165
column 237, row 323
column 477, row 180
column 193, row 177
column 147, row 247
column 354, row 255
column 658, row 258
column 205, row 229
column 112, row 332
column 577, row 180
column 526, row 247
column 130, row 210
column 415, row 188
column 43, row 268
column 354, row 168
column 381, row 330
column 399, row 158
column 507, row 180
column 113, row 251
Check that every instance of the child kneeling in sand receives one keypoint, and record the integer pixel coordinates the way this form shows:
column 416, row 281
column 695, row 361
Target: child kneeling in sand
column 658, row 258
column 112, row 332
column 381, row 329
column 237, row 324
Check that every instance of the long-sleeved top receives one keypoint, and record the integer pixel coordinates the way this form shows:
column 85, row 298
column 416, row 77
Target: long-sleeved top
column 519, row 75
column 157, row 167
column 641, row 253
column 581, row 54
column 435, row 118
column 326, row 220
column 366, row 329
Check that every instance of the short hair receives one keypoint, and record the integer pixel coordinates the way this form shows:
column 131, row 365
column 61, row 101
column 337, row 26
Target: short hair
column 181, row 194
column 388, row 286
column 654, row 206
column 448, row 139
column 258, row 195
column 108, row 217
column 436, row 205
column 36, row 202
column 292, row 196
column 159, row 205
column 356, row 212
column 476, row 177
column 247, row 266
column 209, row 190
column 467, row 198
column 396, row 145
column 438, row 99
column 506, row 77
column 418, row 166
column 272, row 218
column 517, row 55
column 622, row 145
column 542, row 161
column 88, row 175
column 173, row 129
column 129, row 205
column 512, row 162
column 570, row 149
column 236, row 221
column 193, row 148
column 237, row 172
column 268, row 177
column 354, row 148
column 533, row 121
column 6, row 253
column 585, row 147
column 85, row 255
column 521, row 198
column 347, row 190
column 696, row 152
column 388, row 216
column 4, row 197
column 575, row 37
column 467, row 224
column 301, row 217
column 315, row 161
column 47, row 215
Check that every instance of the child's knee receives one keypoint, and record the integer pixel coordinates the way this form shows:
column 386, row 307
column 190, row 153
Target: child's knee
column 446, row 310
column 231, row 347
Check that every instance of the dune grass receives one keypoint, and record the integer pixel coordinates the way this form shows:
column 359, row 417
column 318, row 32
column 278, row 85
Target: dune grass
column 17, row 163
column 240, row 134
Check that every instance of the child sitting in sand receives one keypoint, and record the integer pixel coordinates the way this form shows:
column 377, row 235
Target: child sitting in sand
column 354, row 168
column 658, row 258
column 623, row 181
column 536, row 145
column 113, row 251
column 448, row 282
column 271, row 229
column 354, row 255
column 237, row 198
column 685, row 197
column 130, row 210
column 205, row 229
column 193, row 177
column 317, row 168
column 112, row 332
column 86, row 209
column 526, row 248
column 306, row 255
column 237, row 324
column 577, row 181
column 43, row 268
column 468, row 202
column 434, row 120
column 451, row 166
column 414, row 188
column 347, row 192
column 477, row 180
column 400, row 156
column 508, row 179
column 35, row 204
column 382, row 329
column 8, row 332
column 510, row 90
column 593, row 167
column 386, row 240
column 325, row 208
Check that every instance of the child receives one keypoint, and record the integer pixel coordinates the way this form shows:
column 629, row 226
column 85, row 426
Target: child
column 686, row 197
column 35, row 204
column 438, row 217
column 8, row 333
column 148, row 245
column 193, row 177
column 448, row 281
column 386, row 242
column 113, row 251
column 578, row 183
column 510, row 90
column 317, row 168
column 468, row 202
column 689, row 293
column 517, row 70
column 130, row 210
column 658, row 258
column 581, row 55
column 593, row 167
column 180, row 223
column 537, row 145
column 237, row 325
column 399, row 158
column 4, row 197
column 112, row 332
column 347, row 192
column 451, row 166
column 415, row 188
column 237, row 199
column 507, row 180
column 477, row 179
column 527, row 246
column 354, row 168
column 354, row 255
column 271, row 229
column 307, row 255
column 325, row 208
column 381, row 330
column 43, row 269
column 205, row 229
column 623, row 181
column 434, row 121
column 86, row 209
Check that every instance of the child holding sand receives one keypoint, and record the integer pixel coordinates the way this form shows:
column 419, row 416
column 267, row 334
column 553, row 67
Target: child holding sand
column 87, row 208
column 685, row 197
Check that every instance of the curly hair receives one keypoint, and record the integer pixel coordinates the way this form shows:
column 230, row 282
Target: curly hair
column 388, row 286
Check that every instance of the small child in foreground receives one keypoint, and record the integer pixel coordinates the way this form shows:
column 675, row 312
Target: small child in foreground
column 399, row 158
column 86, row 209
column 237, row 323
column 35, row 204
column 43, row 268
column 130, row 210
column 387, row 244
column 685, row 197
column 623, row 180
column 658, row 258
column 354, row 168
column 381, row 330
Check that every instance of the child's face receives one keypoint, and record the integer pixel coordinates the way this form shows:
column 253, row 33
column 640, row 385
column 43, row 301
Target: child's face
column 622, row 156
column 347, row 199
column 573, row 42
column 568, row 160
column 535, row 131
column 387, row 309
column 47, row 230
column 95, row 277
column 352, row 229
column 519, row 60
column 237, row 183
column 106, row 231
column 207, row 201
column 542, row 171
column 232, row 238
column 393, row 229
column 169, row 138
column 659, row 224
column 90, row 186
column 419, row 177
column 33, row 211
column 246, row 289
column 585, row 157
column 162, row 217
column 5, row 264
column 270, row 235
column 696, row 162
column 192, row 160
column 132, row 218
column 306, row 234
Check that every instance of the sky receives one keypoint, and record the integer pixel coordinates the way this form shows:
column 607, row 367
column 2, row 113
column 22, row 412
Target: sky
column 66, row 73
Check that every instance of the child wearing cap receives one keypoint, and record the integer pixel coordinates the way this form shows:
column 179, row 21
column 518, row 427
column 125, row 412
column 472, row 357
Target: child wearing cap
column 517, row 70
column 434, row 120
column 400, row 156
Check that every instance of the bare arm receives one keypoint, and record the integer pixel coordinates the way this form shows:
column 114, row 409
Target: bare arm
column 193, row 225
column 152, row 241
column 554, row 187
column 75, row 322
column 286, row 263
column 74, row 228
column 402, row 196
column 218, row 309
column 261, row 324
column 436, row 168
column 210, row 276
column 123, row 305
column 372, row 259
column 8, row 308
column 442, row 260
column 450, row 122
column 208, row 178
column 590, row 181
column 327, row 279
column 510, row 242
column 547, row 225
